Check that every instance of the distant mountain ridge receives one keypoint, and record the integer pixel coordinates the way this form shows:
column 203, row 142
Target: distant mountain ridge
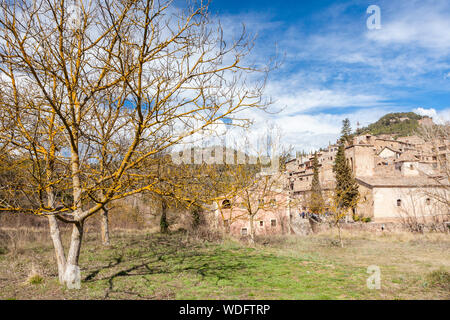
column 399, row 124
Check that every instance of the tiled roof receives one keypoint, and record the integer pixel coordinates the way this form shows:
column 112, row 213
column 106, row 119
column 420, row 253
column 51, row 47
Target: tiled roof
column 401, row 181
column 408, row 156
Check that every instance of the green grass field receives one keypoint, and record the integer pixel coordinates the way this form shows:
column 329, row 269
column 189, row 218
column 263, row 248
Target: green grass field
column 153, row 266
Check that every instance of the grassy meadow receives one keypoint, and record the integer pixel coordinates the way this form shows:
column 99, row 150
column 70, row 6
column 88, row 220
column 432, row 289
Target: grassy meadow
column 147, row 265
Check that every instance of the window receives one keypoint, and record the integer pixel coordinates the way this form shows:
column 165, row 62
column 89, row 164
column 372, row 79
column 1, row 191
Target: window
column 243, row 231
column 273, row 222
column 226, row 204
column 261, row 223
column 226, row 223
column 428, row 201
column 399, row 202
column 261, row 202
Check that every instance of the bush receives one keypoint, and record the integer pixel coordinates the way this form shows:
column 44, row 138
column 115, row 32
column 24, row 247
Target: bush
column 439, row 278
column 271, row 240
column 35, row 278
column 366, row 219
column 3, row 250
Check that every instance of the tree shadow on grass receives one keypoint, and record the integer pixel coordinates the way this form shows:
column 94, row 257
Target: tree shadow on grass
column 169, row 255
column 111, row 264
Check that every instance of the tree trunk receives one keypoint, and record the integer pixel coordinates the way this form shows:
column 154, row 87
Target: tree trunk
column 55, row 233
column 195, row 217
column 340, row 237
column 72, row 276
column 164, row 225
column 105, row 228
column 252, row 231
column 57, row 245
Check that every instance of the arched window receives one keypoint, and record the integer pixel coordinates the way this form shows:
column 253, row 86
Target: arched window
column 428, row 201
column 226, row 204
column 399, row 202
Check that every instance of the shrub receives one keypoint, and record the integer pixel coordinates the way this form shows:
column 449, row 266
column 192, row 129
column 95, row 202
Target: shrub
column 439, row 278
column 35, row 278
column 3, row 250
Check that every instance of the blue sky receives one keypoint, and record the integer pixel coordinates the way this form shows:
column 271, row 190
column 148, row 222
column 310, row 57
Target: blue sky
column 335, row 67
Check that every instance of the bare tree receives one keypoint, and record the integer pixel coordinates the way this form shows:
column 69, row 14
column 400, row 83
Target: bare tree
column 252, row 193
column 337, row 211
column 421, row 210
column 89, row 99
column 438, row 137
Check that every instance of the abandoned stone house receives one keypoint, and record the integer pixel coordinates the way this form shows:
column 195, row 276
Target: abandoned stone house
column 269, row 206
column 234, row 219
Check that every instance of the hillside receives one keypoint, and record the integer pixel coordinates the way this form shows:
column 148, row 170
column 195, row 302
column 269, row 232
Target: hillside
column 399, row 124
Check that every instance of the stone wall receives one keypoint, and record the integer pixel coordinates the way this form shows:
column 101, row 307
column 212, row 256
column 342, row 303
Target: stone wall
column 300, row 226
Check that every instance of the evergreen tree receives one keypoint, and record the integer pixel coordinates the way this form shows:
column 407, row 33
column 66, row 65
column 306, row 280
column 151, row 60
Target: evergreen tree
column 346, row 131
column 346, row 186
column 316, row 203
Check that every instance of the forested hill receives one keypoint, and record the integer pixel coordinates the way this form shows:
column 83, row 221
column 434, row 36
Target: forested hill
column 400, row 124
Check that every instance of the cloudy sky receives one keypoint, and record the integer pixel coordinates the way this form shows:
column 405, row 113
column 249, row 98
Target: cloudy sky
column 335, row 67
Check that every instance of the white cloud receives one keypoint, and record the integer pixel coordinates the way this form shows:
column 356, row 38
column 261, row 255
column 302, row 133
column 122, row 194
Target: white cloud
column 342, row 64
column 424, row 25
column 315, row 98
column 440, row 116
column 425, row 112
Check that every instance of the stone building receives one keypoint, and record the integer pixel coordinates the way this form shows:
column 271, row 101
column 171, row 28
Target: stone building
column 266, row 200
column 390, row 173
column 390, row 198
column 396, row 177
